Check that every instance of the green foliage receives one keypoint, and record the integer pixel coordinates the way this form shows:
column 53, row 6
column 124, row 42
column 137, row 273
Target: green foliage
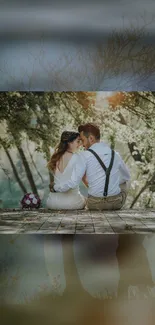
column 131, row 124
column 31, row 124
column 35, row 118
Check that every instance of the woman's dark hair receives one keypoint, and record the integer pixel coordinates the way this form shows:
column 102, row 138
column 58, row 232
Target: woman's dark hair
column 90, row 128
column 61, row 148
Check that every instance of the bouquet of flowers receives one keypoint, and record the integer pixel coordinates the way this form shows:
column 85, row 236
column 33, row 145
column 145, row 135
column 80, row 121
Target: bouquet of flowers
column 30, row 201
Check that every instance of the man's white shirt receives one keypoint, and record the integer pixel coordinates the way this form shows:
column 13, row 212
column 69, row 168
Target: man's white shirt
column 86, row 163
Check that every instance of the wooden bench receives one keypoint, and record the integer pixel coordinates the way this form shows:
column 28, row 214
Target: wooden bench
column 46, row 221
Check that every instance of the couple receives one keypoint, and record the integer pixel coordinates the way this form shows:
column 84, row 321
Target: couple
column 100, row 168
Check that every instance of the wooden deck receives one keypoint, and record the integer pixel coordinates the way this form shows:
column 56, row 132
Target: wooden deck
column 44, row 221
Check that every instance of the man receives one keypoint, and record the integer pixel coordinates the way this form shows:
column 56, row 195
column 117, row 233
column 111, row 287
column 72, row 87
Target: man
column 106, row 173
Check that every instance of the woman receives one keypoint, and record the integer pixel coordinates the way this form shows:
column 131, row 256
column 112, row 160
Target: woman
column 61, row 165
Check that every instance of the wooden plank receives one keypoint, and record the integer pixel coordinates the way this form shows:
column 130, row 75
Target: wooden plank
column 83, row 221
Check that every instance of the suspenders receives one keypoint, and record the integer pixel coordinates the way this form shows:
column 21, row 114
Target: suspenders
column 107, row 170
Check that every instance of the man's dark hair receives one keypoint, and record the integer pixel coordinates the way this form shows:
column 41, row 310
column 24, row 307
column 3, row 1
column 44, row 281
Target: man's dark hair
column 90, row 128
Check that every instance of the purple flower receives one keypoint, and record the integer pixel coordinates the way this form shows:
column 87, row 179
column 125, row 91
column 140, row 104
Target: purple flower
column 30, row 200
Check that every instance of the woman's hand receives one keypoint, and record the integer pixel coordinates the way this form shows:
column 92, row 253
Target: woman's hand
column 84, row 180
column 51, row 187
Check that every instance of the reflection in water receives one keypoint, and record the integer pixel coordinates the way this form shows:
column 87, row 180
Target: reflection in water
column 82, row 279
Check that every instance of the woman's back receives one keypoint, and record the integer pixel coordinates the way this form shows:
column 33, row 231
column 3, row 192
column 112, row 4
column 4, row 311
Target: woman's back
column 64, row 162
column 71, row 199
column 64, row 167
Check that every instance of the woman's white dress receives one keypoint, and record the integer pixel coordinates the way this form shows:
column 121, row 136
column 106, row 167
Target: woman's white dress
column 69, row 200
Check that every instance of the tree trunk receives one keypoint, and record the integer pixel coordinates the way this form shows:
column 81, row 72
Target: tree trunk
column 138, row 195
column 22, row 186
column 34, row 164
column 136, row 156
column 48, row 156
column 149, row 183
column 27, row 169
